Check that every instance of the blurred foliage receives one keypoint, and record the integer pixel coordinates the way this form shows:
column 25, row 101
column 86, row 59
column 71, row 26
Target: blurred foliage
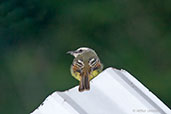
column 36, row 34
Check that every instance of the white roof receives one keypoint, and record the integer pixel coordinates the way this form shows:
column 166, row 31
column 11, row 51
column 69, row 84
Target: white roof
column 112, row 92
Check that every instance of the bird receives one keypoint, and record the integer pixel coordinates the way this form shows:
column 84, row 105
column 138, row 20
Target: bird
column 85, row 66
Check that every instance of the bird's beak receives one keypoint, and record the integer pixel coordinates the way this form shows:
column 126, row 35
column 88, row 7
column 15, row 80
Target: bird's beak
column 70, row 52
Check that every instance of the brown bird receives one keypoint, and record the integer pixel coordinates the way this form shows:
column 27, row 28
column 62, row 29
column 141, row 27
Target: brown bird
column 86, row 65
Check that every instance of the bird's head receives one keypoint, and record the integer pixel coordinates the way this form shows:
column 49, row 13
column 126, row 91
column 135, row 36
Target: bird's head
column 80, row 51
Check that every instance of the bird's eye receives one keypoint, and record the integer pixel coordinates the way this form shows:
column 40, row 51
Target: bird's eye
column 80, row 50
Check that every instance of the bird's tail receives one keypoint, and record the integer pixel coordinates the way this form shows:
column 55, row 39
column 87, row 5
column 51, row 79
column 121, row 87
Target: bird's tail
column 84, row 83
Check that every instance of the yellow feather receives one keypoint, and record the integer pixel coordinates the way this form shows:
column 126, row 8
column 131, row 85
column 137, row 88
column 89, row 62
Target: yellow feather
column 94, row 74
column 77, row 76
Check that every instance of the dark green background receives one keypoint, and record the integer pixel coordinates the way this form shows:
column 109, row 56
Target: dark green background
column 35, row 35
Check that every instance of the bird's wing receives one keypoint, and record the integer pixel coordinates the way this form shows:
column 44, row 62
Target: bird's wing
column 96, row 70
column 75, row 72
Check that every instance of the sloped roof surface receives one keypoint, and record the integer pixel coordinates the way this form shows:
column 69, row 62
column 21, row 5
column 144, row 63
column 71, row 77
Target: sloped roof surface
column 112, row 92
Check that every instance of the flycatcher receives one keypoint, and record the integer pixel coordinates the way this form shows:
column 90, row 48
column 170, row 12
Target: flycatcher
column 86, row 65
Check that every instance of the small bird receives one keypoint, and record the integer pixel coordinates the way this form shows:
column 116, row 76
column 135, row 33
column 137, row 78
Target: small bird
column 86, row 65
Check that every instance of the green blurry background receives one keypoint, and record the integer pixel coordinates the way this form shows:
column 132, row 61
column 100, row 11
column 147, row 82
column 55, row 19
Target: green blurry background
column 35, row 35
